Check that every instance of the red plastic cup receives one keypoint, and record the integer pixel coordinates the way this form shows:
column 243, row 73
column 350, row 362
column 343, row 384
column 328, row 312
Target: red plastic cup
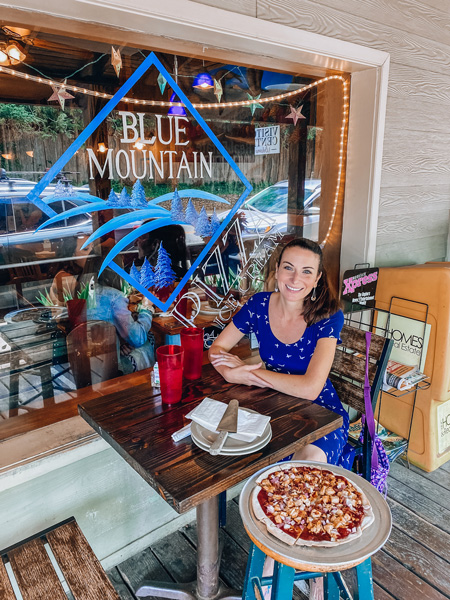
column 192, row 342
column 76, row 311
column 170, row 362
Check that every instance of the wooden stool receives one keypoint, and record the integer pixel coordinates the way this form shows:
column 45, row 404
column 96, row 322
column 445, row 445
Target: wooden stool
column 295, row 563
column 284, row 576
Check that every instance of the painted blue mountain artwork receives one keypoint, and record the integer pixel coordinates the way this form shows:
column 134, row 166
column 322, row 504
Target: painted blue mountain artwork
column 137, row 214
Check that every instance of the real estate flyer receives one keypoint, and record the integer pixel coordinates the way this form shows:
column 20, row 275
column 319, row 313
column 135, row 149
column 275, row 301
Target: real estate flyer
column 410, row 338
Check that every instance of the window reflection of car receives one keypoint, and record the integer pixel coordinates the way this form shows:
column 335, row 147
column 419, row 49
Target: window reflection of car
column 266, row 211
column 19, row 241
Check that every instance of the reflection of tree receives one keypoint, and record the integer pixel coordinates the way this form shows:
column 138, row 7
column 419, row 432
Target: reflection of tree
column 164, row 274
column 146, row 275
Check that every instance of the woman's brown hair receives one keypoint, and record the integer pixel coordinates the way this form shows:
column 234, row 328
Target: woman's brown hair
column 326, row 303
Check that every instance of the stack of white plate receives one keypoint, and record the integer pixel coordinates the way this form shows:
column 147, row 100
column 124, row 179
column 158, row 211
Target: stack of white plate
column 204, row 438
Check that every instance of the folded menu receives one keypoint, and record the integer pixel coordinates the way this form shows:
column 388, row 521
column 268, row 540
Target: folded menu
column 209, row 412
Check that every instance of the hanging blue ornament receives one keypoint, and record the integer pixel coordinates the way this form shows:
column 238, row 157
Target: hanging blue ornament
column 162, row 83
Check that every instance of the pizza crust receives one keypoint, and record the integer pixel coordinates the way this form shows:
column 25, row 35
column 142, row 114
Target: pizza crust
column 258, row 512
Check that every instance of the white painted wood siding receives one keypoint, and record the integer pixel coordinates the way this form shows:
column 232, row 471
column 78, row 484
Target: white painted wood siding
column 413, row 221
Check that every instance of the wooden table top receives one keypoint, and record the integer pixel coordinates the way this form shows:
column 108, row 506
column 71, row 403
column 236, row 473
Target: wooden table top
column 138, row 426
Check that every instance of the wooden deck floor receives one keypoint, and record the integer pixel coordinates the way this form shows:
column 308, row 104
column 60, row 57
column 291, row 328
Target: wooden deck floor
column 415, row 562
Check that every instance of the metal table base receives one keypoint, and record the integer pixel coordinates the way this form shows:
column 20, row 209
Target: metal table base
column 207, row 586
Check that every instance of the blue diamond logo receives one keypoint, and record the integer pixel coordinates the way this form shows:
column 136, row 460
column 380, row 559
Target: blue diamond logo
column 161, row 217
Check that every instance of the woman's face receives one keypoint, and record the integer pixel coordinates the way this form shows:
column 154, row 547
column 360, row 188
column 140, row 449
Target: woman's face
column 298, row 273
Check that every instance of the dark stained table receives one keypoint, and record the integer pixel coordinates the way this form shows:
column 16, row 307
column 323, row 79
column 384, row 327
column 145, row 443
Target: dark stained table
column 136, row 424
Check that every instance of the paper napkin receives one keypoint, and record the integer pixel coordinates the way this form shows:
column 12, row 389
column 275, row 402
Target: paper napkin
column 209, row 412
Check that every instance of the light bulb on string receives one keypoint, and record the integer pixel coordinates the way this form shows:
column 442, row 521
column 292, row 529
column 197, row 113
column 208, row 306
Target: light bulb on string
column 15, row 54
column 102, row 147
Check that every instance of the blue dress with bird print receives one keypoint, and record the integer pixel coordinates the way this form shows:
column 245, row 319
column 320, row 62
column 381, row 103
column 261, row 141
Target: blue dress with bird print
column 294, row 359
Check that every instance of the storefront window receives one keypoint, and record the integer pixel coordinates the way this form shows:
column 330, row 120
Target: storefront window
column 132, row 215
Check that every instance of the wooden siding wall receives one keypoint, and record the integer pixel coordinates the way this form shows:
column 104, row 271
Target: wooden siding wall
column 413, row 224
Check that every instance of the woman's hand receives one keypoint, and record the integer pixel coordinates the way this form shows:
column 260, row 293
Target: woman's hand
column 227, row 359
column 244, row 375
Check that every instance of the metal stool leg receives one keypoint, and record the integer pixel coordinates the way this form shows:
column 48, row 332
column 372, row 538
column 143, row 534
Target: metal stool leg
column 283, row 582
column 365, row 581
column 255, row 566
column 222, row 509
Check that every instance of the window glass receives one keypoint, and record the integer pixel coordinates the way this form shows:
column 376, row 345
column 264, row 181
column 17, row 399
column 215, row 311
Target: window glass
column 262, row 151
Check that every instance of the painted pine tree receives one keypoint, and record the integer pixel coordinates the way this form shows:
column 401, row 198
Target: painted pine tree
column 164, row 274
column 138, row 199
column 124, row 199
column 146, row 275
column 191, row 214
column 176, row 208
column 113, row 198
column 134, row 273
column 203, row 227
column 215, row 223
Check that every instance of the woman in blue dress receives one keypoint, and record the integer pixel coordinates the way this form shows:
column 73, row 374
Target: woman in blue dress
column 297, row 328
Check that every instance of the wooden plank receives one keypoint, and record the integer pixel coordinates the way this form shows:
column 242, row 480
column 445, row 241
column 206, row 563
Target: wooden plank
column 415, row 86
column 243, row 7
column 440, row 476
column 413, row 16
column 423, row 198
column 404, row 47
column 401, row 226
column 418, row 559
column 79, row 565
column 380, row 593
column 34, row 572
column 419, row 504
column 177, row 556
column 395, row 254
column 399, row 581
column 6, row 591
column 143, row 566
column 415, row 526
column 421, row 485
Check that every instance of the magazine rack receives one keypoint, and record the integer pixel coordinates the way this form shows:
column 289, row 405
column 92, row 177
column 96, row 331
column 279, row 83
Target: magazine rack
column 379, row 321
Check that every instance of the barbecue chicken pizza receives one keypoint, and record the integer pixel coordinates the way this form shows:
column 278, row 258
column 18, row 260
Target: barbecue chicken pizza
column 310, row 506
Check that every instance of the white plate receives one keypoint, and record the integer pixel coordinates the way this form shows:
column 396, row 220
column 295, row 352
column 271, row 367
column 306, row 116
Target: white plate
column 205, row 437
column 339, row 557
column 206, row 309
column 248, row 449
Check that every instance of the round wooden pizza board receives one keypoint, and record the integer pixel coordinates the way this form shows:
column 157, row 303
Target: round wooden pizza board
column 313, row 558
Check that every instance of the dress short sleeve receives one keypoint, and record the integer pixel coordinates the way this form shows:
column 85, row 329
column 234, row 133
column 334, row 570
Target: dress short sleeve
column 331, row 327
column 244, row 319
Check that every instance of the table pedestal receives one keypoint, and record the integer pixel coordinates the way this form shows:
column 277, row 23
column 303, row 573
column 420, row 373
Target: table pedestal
column 207, row 586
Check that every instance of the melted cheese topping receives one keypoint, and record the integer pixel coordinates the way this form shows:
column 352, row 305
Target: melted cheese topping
column 311, row 503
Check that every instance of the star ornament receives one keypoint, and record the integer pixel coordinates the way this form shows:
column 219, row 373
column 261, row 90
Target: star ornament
column 218, row 90
column 60, row 94
column 254, row 105
column 296, row 114
column 116, row 60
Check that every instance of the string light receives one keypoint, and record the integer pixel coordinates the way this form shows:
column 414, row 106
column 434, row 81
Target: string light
column 246, row 103
column 73, row 88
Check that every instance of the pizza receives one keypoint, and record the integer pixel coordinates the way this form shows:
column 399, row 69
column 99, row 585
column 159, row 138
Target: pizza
column 310, row 506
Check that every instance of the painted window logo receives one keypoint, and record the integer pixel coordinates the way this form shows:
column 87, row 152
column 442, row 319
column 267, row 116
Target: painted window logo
column 139, row 209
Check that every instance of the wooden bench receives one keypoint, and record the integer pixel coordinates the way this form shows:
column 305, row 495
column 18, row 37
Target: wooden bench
column 32, row 564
